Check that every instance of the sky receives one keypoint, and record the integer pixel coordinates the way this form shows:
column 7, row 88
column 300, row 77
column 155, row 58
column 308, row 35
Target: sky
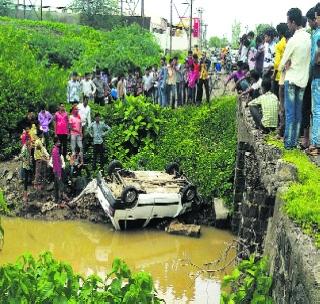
column 219, row 15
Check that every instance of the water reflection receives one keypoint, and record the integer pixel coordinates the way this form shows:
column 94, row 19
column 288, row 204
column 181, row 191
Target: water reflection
column 92, row 248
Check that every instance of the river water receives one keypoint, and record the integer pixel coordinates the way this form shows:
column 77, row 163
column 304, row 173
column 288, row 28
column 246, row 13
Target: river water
column 91, row 248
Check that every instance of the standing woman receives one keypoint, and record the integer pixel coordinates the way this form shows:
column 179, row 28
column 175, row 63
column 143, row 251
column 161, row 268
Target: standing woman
column 26, row 158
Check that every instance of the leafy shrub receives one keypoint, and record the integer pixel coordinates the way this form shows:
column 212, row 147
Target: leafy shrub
column 202, row 139
column 46, row 280
column 249, row 283
column 302, row 200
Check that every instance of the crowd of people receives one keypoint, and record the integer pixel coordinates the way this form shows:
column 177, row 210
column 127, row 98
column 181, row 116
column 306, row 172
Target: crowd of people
column 73, row 133
column 279, row 74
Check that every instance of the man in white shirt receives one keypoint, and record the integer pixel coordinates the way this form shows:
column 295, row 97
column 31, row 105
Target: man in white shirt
column 85, row 115
column 295, row 62
column 73, row 89
column 147, row 81
column 269, row 46
column 88, row 88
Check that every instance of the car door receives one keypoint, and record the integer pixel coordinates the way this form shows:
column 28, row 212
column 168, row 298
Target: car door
column 166, row 205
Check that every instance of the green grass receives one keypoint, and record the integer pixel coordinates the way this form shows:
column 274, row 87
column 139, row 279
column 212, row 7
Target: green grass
column 302, row 200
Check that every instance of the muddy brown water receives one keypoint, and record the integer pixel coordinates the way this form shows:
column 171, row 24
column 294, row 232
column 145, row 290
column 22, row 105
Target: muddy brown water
column 91, row 248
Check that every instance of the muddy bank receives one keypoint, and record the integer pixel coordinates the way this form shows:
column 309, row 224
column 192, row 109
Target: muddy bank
column 42, row 205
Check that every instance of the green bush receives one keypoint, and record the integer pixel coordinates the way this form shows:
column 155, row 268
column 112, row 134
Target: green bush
column 249, row 283
column 302, row 200
column 46, row 280
column 202, row 139
column 38, row 57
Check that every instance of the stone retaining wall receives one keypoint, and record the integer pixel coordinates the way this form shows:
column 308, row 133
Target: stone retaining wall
column 259, row 174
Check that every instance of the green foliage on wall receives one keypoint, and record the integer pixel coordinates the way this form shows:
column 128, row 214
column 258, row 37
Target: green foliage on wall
column 303, row 197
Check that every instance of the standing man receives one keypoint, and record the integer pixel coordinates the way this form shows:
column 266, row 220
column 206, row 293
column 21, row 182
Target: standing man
column 294, row 59
column 85, row 115
column 87, row 86
column 97, row 131
column 163, row 75
column 314, row 148
column 61, row 123
column 45, row 118
column 171, row 83
column 147, row 82
column 269, row 47
column 204, row 78
column 100, row 89
column 73, row 88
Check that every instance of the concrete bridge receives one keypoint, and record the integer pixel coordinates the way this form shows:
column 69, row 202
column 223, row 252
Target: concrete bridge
column 259, row 221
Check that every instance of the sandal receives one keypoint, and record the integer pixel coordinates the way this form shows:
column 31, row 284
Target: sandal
column 313, row 151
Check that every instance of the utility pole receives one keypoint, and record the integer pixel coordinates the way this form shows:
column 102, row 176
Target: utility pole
column 200, row 10
column 142, row 8
column 171, row 7
column 121, row 7
column 190, row 25
column 41, row 10
column 17, row 8
column 24, row 9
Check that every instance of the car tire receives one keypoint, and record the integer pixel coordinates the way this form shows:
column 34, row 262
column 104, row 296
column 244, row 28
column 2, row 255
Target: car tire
column 173, row 169
column 188, row 194
column 129, row 196
column 114, row 166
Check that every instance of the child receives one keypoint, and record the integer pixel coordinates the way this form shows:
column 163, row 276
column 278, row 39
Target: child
column 192, row 82
column 254, row 90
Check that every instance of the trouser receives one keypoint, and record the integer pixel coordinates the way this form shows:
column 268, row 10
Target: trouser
column 26, row 175
column 64, row 144
column 76, row 140
column 192, row 95
column 58, row 187
column 46, row 138
column 148, row 93
column 201, row 83
column 98, row 151
column 293, row 99
column 315, row 135
column 40, row 174
column 163, row 96
column 180, row 87
column 275, row 88
column 256, row 114
column 281, row 111
column 306, row 108
column 171, row 94
column 99, row 100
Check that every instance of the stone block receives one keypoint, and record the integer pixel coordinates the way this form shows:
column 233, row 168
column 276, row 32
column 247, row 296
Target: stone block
column 183, row 229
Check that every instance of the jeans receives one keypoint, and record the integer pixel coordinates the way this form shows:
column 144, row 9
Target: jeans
column 163, row 96
column 171, row 94
column 180, row 87
column 315, row 135
column 76, row 140
column 192, row 95
column 293, row 100
column 58, row 188
column 26, row 175
column 201, row 83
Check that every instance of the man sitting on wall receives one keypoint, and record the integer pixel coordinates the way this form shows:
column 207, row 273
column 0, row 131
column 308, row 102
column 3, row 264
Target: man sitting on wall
column 264, row 109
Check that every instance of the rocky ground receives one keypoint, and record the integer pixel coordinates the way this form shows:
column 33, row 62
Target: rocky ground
column 42, row 205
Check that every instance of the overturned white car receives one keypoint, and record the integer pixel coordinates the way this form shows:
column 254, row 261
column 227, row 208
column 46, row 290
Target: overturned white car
column 140, row 196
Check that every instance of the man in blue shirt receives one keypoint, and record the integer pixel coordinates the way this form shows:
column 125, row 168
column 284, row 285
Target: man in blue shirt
column 314, row 148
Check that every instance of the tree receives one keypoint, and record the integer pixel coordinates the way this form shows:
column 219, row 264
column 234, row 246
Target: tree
column 236, row 30
column 95, row 7
column 217, row 42
column 260, row 28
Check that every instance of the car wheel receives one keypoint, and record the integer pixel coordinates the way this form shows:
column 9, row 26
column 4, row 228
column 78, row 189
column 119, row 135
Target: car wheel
column 114, row 166
column 188, row 193
column 173, row 169
column 129, row 196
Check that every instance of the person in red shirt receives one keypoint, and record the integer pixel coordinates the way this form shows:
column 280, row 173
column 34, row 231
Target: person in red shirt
column 62, row 128
column 76, row 131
